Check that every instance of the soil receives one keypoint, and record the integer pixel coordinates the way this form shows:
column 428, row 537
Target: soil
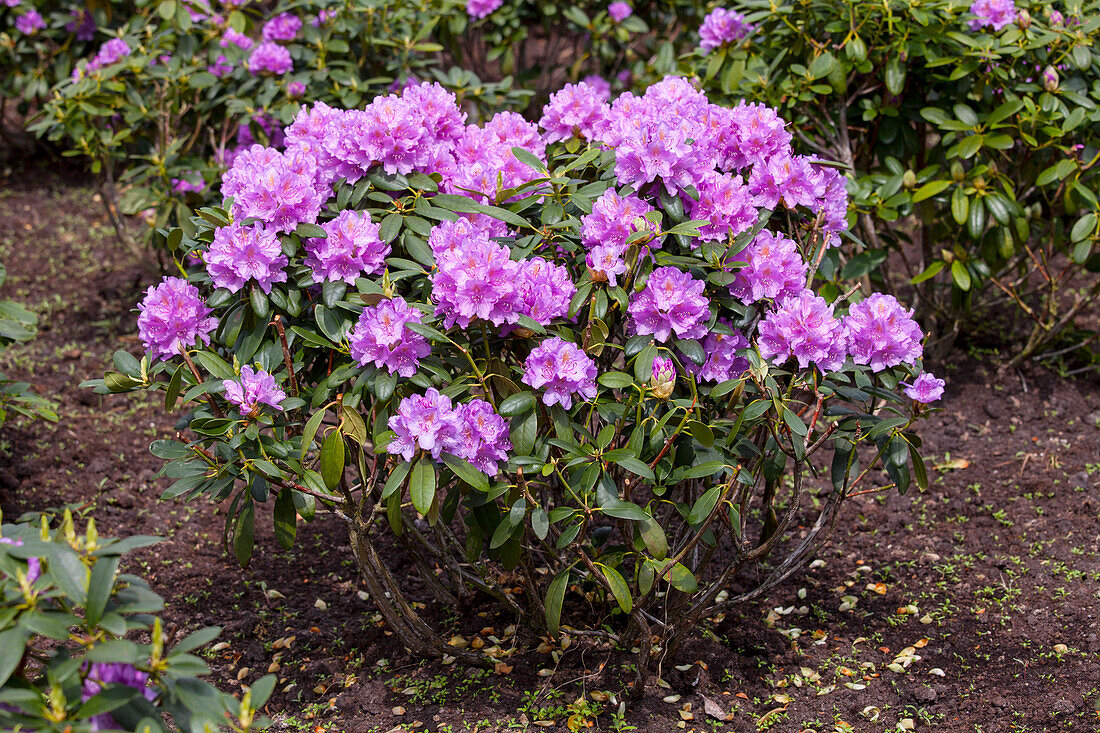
column 972, row 606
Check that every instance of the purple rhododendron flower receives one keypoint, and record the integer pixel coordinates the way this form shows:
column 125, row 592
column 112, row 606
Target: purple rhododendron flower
column 323, row 17
column 726, row 203
column 662, row 379
column 295, row 88
column 255, row 387
column 34, row 565
column 561, row 370
column 482, row 8
column 671, row 303
column 543, row 291
column 183, row 185
column 480, row 437
column 13, row 3
column 1056, row 17
column 283, row 27
column 282, row 190
column 221, row 67
column 112, row 52
column 881, row 333
column 476, row 280
column 382, row 336
column 601, row 86
column 578, row 110
column 270, row 58
column 173, row 317
column 722, row 360
column 774, row 269
column 925, row 388
column 614, row 218
column 422, row 421
column 993, row 13
column 82, row 23
column 619, row 11
column 242, row 253
column 803, row 326
column 30, row 22
column 236, row 38
column 102, row 674
column 351, row 248
column 605, row 261
column 722, row 26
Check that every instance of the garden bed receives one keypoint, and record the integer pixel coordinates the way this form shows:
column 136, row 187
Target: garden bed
column 981, row 592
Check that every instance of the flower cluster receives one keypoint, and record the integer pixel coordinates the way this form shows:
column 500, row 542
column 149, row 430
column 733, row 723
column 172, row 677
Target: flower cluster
column 241, row 253
column 280, row 189
column 283, row 27
column 482, row 8
column 236, row 38
column 172, row 317
column 672, row 302
column 109, row 53
column 722, row 26
column 575, row 110
column 382, row 335
column 270, row 58
column 352, row 248
column 722, row 360
column 473, row 431
column 881, row 333
column 255, row 387
column 774, row 269
column 803, row 326
column 925, row 388
column 560, row 370
column 605, row 232
column 993, row 13
column 30, row 22
column 100, row 675
column 619, row 11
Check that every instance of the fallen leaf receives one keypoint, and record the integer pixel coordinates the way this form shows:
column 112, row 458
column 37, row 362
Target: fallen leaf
column 714, row 710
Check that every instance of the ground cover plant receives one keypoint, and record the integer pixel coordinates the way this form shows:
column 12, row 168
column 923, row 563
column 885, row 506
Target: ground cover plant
column 65, row 659
column 583, row 361
column 970, row 132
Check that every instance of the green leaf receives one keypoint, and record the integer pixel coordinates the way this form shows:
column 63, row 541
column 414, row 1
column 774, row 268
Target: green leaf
column 1083, row 227
column 930, row 189
column 109, row 698
column 682, row 579
column 929, row 272
column 555, row 596
column 615, row 380
column 625, row 510
column 701, row 470
column 396, row 478
column 619, row 588
column 895, row 74
column 466, row 472
column 530, row 160
column 286, row 519
column 422, row 485
column 704, row 505
column 643, row 363
column 540, row 523
column 634, row 465
column 960, row 205
column 244, row 532
column 309, row 431
column 100, row 586
column 172, row 393
column 332, row 459
column 960, row 275
column 654, row 537
column 516, row 404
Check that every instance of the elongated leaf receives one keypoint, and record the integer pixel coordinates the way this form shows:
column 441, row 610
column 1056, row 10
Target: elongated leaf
column 332, row 459
column 286, row 519
column 422, row 485
column 466, row 471
column 100, row 585
column 703, row 506
column 555, row 596
column 619, row 588
column 244, row 533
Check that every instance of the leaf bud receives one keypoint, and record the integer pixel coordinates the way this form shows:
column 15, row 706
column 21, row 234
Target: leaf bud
column 909, row 178
column 1023, row 20
column 1050, row 79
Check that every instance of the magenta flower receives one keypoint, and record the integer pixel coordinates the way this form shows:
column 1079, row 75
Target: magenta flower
column 543, row 291
column 722, row 360
column 725, row 202
column 280, row 189
column 351, row 248
column 614, row 218
column 561, row 370
column 477, row 280
column 671, row 303
column 803, row 326
column 242, row 253
column 30, row 22
column 881, row 333
column 283, row 27
column 422, row 421
column 619, row 11
column 482, row 8
column 34, row 565
column 606, row 263
column 295, row 88
column 774, row 269
column 255, row 387
column 221, row 67
column 720, row 27
column 100, row 675
column 993, row 13
column 662, row 379
column 576, row 110
column 480, row 436
column 601, row 86
column 236, row 38
column 382, row 335
column 925, row 388
column 269, row 58
column 173, row 317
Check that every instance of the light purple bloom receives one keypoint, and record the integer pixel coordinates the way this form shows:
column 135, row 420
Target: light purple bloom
column 382, row 336
column 619, row 11
column 270, row 58
column 351, row 249
column 254, row 388
column 482, row 8
column 803, row 326
column 422, row 421
column 925, row 388
column 280, row 189
column 993, row 13
column 283, row 27
column 102, row 674
column 15, row 3
column 614, row 218
column 173, row 317
column 722, row 360
column 543, row 291
column 881, row 333
column 720, row 27
column 221, row 67
column 30, row 22
column 240, row 253
column 183, row 185
column 480, row 436
column 477, row 280
column 34, row 565
column 671, row 303
column 774, row 269
column 606, row 263
column 236, row 38
column 295, row 88
column 560, row 370
column 323, row 17
column 576, row 110
column 601, row 86
column 726, row 203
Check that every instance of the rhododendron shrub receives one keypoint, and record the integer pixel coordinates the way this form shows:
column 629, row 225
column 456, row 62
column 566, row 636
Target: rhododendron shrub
column 970, row 130
column 400, row 317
